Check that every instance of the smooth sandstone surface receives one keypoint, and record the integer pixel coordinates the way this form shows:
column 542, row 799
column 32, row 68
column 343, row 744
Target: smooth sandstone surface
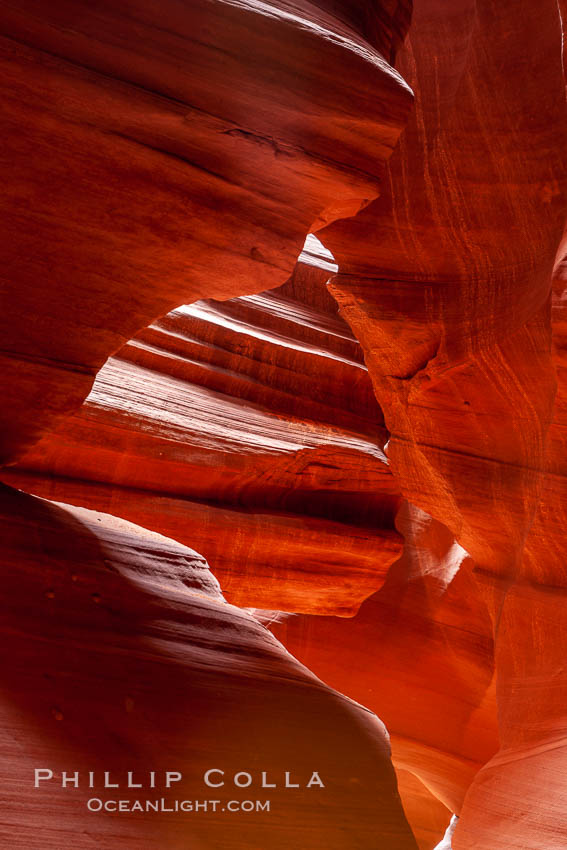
column 445, row 280
column 420, row 653
column 531, row 651
column 426, row 814
column 160, row 156
column 247, row 429
column 155, row 154
column 119, row 653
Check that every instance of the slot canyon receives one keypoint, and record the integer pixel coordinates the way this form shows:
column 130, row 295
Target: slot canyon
column 283, row 434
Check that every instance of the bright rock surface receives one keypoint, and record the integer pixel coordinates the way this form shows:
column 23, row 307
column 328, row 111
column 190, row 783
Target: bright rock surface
column 247, row 429
column 156, row 154
column 186, row 153
column 445, row 280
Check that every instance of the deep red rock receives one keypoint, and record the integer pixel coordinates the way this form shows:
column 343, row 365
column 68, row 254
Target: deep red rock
column 119, row 653
column 179, row 154
column 155, row 155
column 445, row 280
column 419, row 653
column 249, row 431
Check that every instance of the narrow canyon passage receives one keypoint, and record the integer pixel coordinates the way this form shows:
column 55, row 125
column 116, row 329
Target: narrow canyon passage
column 292, row 515
column 148, row 446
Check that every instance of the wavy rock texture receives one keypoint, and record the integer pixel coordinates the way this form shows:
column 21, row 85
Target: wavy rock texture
column 445, row 281
column 156, row 155
column 180, row 154
column 420, row 652
column 119, row 653
column 250, row 431
column 279, row 358
column 426, row 814
column 526, row 779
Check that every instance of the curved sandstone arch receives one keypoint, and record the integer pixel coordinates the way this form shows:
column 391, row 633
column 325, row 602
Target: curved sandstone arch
column 155, row 155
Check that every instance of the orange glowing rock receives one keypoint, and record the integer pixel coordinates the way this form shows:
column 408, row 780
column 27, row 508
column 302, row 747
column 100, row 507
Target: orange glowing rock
column 179, row 154
column 160, row 154
column 248, row 430
column 119, row 654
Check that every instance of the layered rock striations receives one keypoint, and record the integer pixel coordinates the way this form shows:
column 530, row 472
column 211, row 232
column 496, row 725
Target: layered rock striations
column 531, row 649
column 179, row 155
column 419, row 652
column 158, row 155
column 120, row 654
column 447, row 293
column 249, row 430
column 445, row 281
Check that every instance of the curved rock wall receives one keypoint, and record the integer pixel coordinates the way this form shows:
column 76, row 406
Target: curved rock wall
column 127, row 658
column 180, row 154
column 445, row 280
column 249, row 430
column 157, row 155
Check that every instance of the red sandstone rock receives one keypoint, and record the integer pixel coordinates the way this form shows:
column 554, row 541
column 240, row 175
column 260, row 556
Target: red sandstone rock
column 262, row 407
column 532, row 631
column 445, row 281
column 427, row 816
column 419, row 653
column 459, row 305
column 119, row 653
column 295, row 563
column 160, row 154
